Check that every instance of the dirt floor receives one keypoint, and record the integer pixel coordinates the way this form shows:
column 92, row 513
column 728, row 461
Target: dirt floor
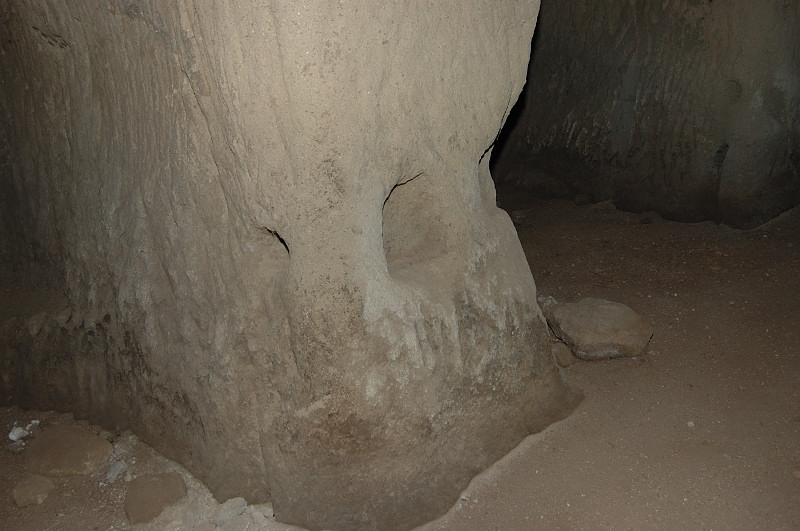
column 701, row 432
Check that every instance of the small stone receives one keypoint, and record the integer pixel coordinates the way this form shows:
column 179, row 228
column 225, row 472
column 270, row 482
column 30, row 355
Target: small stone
column 597, row 329
column 64, row 450
column 149, row 494
column 547, row 304
column 17, row 433
column 115, row 471
column 33, row 428
column 231, row 508
column 563, row 355
column 32, row 489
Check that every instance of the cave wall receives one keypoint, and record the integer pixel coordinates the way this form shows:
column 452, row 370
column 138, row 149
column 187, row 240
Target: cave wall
column 264, row 236
column 689, row 108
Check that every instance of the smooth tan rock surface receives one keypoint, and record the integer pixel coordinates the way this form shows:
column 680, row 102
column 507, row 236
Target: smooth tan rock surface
column 278, row 233
column 32, row 489
column 150, row 494
column 598, row 329
column 63, row 451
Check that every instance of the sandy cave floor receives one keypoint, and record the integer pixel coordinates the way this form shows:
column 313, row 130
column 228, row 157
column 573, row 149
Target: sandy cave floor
column 702, row 432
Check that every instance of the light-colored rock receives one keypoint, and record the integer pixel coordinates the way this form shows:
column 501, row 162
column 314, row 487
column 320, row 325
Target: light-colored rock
column 148, row 495
column 547, row 304
column 116, row 470
column 230, row 509
column 32, row 489
column 30, row 430
column 598, row 329
column 17, row 433
column 278, row 229
column 66, row 450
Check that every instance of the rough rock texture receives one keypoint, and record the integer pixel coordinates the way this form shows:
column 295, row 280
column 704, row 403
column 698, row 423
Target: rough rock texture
column 67, row 451
column 274, row 235
column 150, row 494
column 688, row 108
column 596, row 329
column 230, row 509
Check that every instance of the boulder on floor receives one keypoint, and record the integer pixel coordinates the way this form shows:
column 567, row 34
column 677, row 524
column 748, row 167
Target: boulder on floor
column 63, row 451
column 597, row 329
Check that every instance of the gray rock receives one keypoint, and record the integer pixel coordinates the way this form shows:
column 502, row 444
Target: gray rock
column 230, row 509
column 598, row 329
column 63, row 450
column 115, row 471
column 17, row 433
column 547, row 304
column 32, row 489
column 150, row 494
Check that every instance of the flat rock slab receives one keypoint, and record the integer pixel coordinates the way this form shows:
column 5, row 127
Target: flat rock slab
column 597, row 329
column 149, row 494
column 32, row 489
column 63, row 451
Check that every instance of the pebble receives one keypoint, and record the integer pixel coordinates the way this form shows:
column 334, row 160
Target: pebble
column 17, row 433
column 115, row 471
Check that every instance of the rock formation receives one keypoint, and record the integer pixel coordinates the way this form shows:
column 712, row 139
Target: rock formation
column 271, row 244
column 688, row 108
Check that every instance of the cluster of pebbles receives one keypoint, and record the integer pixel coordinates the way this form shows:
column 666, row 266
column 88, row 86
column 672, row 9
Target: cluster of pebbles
column 155, row 493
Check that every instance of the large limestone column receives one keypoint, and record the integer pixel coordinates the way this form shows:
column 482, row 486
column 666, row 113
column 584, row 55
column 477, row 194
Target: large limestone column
column 277, row 234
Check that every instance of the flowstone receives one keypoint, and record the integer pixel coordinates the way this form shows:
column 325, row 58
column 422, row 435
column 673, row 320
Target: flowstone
column 277, row 234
